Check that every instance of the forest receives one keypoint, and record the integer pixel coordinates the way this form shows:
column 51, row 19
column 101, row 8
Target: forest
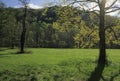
column 78, row 40
column 56, row 27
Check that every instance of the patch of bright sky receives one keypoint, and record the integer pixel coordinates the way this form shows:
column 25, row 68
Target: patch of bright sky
column 35, row 4
column 91, row 6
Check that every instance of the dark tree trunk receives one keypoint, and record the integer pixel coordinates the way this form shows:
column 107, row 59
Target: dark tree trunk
column 102, row 45
column 96, row 75
column 37, row 40
column 12, row 45
column 23, row 34
column 13, row 39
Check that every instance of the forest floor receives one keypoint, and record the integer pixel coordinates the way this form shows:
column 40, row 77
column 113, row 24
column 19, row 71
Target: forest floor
column 48, row 64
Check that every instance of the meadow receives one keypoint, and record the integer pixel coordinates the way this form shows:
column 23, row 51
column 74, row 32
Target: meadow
column 48, row 64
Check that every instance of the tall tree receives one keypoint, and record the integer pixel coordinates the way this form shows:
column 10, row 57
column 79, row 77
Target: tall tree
column 101, row 8
column 22, row 41
column 102, row 55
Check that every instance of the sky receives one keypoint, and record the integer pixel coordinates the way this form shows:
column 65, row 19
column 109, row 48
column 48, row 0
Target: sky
column 33, row 3
column 36, row 4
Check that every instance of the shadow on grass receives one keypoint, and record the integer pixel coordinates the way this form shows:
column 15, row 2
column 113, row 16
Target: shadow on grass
column 25, row 52
column 3, row 49
column 96, row 75
column 114, row 76
column 7, row 54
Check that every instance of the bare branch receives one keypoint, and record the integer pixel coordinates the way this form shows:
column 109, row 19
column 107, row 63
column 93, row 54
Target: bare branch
column 117, row 8
column 24, row 2
column 94, row 6
column 115, row 35
column 82, row 1
column 88, row 8
column 111, row 5
column 95, row 12
column 111, row 25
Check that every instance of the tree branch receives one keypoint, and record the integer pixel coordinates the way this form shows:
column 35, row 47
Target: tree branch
column 114, row 33
column 82, row 1
column 118, row 8
column 107, row 8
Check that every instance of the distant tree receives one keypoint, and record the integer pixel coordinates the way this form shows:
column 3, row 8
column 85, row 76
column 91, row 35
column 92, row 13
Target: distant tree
column 23, row 34
column 10, row 29
column 56, row 26
column 3, row 17
column 112, row 34
column 67, row 24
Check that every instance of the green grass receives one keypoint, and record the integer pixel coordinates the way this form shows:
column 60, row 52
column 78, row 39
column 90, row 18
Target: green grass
column 55, row 64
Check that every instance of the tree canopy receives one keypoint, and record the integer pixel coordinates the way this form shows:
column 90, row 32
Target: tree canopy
column 57, row 26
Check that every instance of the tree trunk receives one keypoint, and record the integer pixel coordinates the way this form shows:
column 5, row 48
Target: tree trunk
column 12, row 45
column 22, row 42
column 37, row 40
column 102, row 45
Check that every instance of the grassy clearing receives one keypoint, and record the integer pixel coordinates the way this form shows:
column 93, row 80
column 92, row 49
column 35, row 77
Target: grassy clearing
column 55, row 65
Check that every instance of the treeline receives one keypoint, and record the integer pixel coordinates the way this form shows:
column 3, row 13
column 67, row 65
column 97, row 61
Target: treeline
column 56, row 27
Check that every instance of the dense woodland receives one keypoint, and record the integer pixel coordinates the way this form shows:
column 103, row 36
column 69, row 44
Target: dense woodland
column 56, row 27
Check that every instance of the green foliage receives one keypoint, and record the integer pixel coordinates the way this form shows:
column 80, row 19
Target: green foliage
column 9, row 29
column 57, row 27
